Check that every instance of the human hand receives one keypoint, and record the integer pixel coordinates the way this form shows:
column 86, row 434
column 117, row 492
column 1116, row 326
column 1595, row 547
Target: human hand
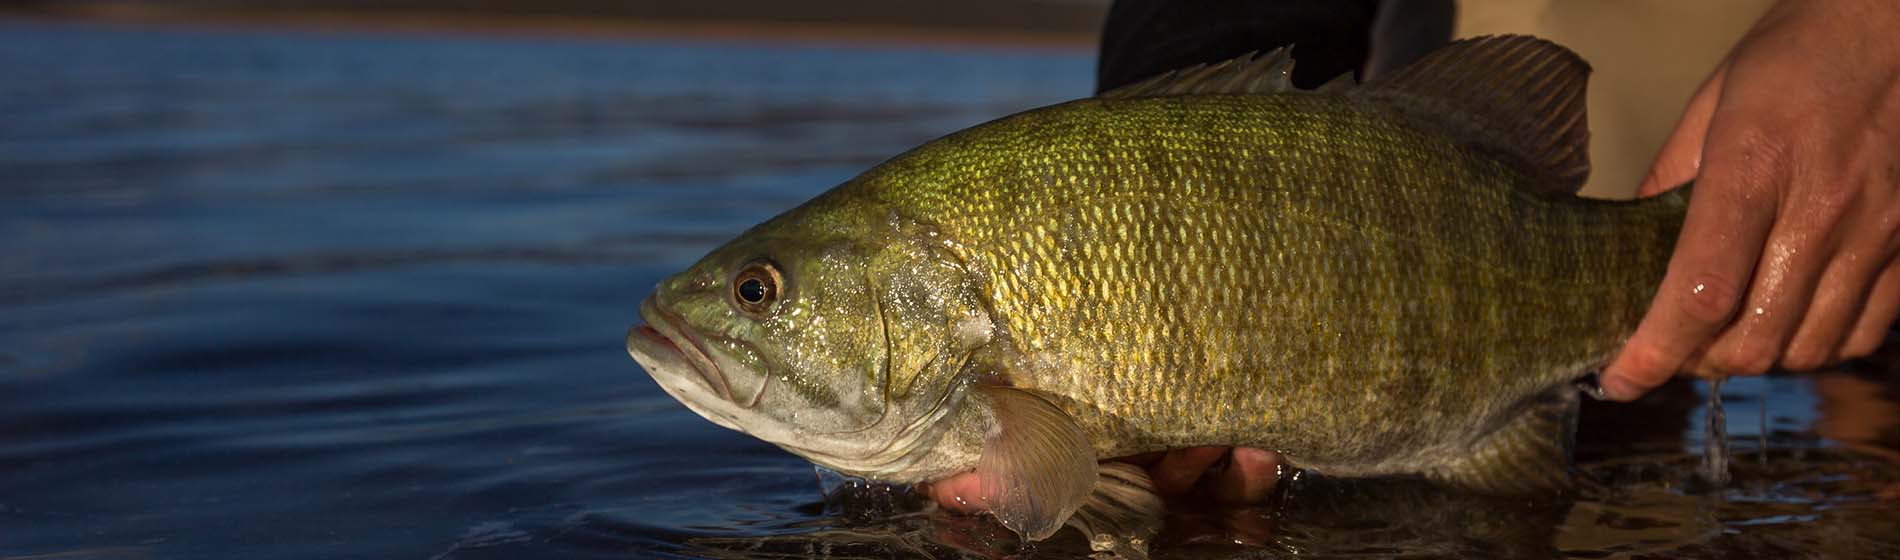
column 1788, row 254
column 1244, row 477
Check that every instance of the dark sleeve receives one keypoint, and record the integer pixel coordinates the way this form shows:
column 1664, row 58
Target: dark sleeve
column 1143, row 38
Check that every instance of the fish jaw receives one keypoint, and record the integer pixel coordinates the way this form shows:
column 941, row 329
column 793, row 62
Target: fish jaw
column 676, row 374
column 904, row 446
column 696, row 375
column 664, row 340
column 692, row 373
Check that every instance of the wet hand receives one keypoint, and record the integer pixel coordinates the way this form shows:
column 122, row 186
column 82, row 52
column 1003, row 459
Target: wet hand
column 1225, row 475
column 1788, row 254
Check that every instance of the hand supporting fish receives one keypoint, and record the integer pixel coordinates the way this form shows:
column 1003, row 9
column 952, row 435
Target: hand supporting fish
column 1228, row 476
column 1388, row 279
column 1791, row 258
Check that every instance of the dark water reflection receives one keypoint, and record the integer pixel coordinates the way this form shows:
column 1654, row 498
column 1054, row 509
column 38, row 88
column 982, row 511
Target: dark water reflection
column 278, row 294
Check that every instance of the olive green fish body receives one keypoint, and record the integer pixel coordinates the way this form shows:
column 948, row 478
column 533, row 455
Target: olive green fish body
column 1302, row 272
column 1389, row 279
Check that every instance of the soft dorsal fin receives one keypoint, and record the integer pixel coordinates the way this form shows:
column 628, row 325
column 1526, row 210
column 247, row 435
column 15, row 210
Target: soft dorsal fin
column 1513, row 95
column 1250, row 73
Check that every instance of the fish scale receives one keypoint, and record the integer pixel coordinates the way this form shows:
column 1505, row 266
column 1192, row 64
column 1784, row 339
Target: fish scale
column 1393, row 279
column 1222, row 260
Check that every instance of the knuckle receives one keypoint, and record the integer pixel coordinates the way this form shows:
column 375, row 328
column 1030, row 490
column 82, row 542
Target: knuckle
column 1886, row 226
column 1832, row 200
column 1708, row 300
column 1743, row 355
column 1645, row 363
column 1747, row 359
column 1757, row 153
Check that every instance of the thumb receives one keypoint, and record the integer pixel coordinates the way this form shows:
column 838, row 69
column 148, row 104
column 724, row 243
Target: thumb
column 1681, row 156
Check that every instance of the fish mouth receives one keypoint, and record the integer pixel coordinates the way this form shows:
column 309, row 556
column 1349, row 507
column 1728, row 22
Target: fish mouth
column 660, row 341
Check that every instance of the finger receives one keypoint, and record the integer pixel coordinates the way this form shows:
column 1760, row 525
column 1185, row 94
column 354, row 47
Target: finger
column 1177, row 472
column 1838, row 302
column 1798, row 251
column 1143, row 460
column 1251, row 474
column 1681, row 155
column 1883, row 304
column 1715, row 254
column 961, row 493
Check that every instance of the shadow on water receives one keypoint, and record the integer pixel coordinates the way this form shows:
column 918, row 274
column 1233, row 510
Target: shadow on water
column 291, row 295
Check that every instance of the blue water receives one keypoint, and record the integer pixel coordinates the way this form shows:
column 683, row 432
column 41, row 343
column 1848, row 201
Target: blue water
column 279, row 294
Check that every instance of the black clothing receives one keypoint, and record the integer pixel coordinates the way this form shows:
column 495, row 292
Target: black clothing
column 1143, row 38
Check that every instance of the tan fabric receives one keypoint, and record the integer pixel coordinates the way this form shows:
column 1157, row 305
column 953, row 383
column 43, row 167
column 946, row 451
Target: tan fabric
column 1649, row 56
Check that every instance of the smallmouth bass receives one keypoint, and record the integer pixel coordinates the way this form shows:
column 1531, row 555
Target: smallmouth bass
column 1387, row 279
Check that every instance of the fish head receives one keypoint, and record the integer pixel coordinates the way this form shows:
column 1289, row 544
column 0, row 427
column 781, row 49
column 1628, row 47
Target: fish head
column 837, row 332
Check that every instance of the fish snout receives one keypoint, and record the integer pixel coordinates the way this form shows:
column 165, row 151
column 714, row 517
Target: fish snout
column 663, row 347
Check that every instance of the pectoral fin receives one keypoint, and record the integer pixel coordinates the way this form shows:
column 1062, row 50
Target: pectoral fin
column 1529, row 454
column 1037, row 466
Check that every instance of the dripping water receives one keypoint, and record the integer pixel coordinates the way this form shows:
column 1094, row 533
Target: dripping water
column 1761, row 427
column 857, row 500
column 1715, row 455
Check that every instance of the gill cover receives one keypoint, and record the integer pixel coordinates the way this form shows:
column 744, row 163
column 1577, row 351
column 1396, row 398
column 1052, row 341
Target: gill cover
column 930, row 309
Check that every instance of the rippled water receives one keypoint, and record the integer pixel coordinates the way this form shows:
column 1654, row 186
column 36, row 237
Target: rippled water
column 282, row 294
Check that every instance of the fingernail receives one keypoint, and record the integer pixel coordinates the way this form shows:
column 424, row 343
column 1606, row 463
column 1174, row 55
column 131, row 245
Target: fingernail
column 1616, row 388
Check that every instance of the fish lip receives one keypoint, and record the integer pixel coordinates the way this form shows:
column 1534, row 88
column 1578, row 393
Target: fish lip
column 661, row 328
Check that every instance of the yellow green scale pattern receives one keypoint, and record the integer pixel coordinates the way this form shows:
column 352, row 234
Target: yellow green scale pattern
column 1303, row 272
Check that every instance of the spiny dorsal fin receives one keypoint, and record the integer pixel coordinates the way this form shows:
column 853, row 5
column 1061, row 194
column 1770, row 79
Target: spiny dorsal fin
column 1250, row 73
column 1514, row 95
column 1339, row 84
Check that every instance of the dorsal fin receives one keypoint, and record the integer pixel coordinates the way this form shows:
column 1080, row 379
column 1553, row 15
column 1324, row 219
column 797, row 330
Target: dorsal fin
column 1339, row 84
column 1250, row 73
column 1513, row 95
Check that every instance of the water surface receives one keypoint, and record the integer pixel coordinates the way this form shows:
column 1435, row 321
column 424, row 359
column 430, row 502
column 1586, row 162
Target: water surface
column 282, row 294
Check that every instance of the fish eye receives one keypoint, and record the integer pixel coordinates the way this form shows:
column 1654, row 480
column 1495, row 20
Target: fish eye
column 756, row 286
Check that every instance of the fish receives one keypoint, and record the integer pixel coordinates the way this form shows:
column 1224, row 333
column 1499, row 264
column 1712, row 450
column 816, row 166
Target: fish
column 1388, row 279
